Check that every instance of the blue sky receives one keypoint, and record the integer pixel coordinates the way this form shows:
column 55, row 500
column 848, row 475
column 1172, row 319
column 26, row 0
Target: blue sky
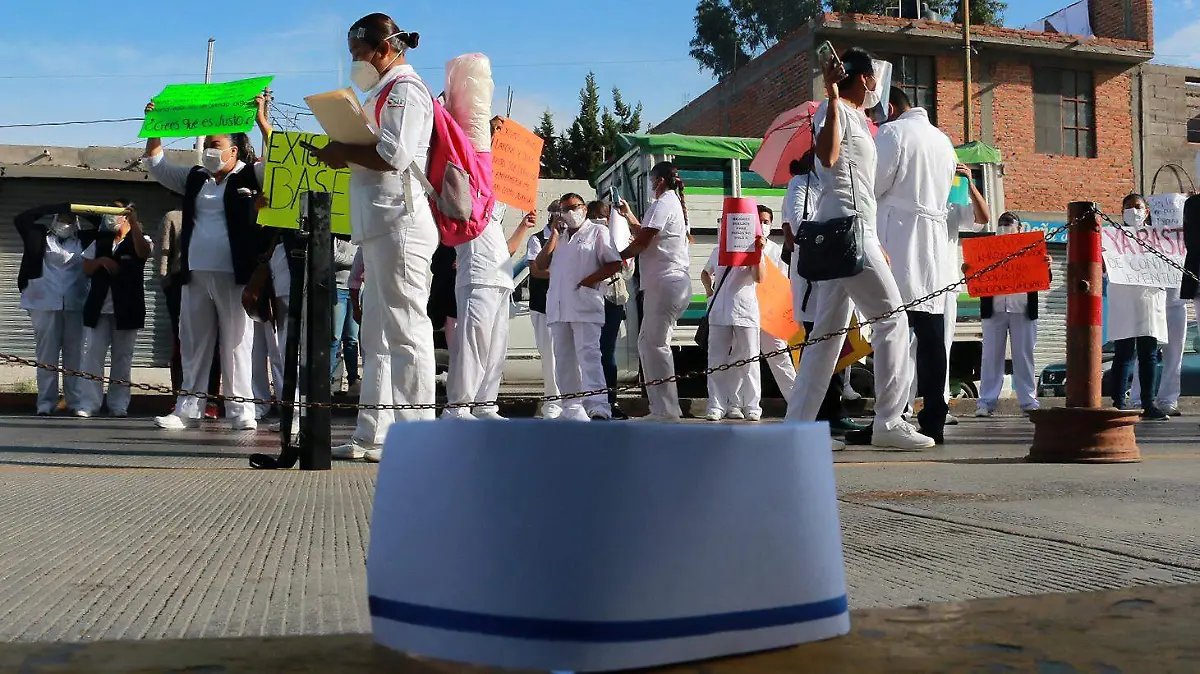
column 81, row 60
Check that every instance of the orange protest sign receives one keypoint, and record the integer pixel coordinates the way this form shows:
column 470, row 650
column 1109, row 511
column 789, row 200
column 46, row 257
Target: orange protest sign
column 1027, row 273
column 854, row 349
column 516, row 164
column 775, row 304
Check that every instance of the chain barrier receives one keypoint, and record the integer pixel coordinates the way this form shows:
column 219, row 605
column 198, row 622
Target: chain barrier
column 217, row 398
column 1132, row 236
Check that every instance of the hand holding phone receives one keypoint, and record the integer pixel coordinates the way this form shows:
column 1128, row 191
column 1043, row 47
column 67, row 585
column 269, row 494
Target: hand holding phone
column 614, row 197
column 312, row 149
column 831, row 68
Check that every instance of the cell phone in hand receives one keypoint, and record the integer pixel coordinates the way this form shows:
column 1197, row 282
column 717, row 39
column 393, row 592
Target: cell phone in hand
column 826, row 55
column 312, row 149
column 614, row 197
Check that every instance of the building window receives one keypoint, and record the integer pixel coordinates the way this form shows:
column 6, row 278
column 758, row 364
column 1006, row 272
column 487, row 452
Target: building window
column 1064, row 112
column 917, row 77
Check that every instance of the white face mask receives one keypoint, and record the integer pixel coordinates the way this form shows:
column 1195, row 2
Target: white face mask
column 766, row 229
column 110, row 223
column 873, row 97
column 1135, row 217
column 364, row 75
column 213, row 160
column 574, row 219
column 64, row 230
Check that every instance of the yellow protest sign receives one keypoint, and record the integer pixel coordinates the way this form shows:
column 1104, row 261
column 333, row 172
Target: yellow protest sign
column 291, row 171
column 854, row 348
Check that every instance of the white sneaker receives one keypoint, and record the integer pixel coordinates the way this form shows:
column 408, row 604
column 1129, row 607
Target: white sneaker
column 83, row 414
column 951, row 420
column 349, row 452
column 373, row 455
column 850, row 395
column 984, row 413
column 489, row 416
column 735, row 414
column 754, row 417
column 171, row 422
column 903, row 437
column 277, row 427
column 837, row 445
column 354, row 390
column 551, row 413
column 908, row 413
column 457, row 414
column 715, row 416
column 246, row 424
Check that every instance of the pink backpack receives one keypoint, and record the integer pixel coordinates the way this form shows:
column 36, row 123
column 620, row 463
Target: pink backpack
column 459, row 179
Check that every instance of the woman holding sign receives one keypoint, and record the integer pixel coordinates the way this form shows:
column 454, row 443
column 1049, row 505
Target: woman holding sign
column 219, row 245
column 734, row 335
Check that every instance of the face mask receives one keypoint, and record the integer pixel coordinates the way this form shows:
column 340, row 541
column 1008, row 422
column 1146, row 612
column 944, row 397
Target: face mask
column 110, row 223
column 1135, row 217
column 873, row 97
column 766, row 229
column 213, row 160
column 64, row 230
column 364, row 75
column 574, row 219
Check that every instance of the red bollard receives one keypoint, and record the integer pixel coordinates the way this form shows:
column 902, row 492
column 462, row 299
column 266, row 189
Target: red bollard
column 1083, row 432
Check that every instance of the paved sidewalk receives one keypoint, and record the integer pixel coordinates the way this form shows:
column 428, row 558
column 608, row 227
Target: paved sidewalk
column 114, row 530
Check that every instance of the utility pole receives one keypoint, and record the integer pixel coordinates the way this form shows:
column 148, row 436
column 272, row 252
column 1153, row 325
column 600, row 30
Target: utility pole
column 967, row 103
column 207, row 80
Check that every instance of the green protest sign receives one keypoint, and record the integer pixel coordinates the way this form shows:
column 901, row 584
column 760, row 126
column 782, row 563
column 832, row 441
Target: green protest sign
column 183, row 110
column 291, row 171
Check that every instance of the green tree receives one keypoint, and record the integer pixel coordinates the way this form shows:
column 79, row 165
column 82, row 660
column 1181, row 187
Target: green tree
column 585, row 147
column 983, row 12
column 621, row 119
column 552, row 164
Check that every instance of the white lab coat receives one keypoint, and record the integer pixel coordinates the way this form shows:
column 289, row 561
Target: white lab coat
column 912, row 185
column 544, row 340
column 392, row 221
column 1136, row 311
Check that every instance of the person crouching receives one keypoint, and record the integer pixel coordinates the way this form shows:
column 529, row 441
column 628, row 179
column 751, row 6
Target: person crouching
column 579, row 257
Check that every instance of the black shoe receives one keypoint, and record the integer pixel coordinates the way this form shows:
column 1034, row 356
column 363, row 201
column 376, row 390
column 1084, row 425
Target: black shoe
column 859, row 438
column 1155, row 414
column 844, row 425
column 618, row 414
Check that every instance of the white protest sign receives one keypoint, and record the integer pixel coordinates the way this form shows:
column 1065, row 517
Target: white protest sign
column 1130, row 263
column 1166, row 210
column 600, row 547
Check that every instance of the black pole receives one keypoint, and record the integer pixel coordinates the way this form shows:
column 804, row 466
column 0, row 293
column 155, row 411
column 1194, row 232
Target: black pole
column 316, row 433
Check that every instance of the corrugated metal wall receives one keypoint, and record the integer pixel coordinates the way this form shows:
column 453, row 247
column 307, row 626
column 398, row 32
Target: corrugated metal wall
column 1052, row 315
column 19, row 194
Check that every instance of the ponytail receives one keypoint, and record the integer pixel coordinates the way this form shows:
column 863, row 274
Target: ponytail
column 679, row 186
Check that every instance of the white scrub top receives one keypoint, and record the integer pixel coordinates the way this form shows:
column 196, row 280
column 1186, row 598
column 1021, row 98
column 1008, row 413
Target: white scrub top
column 62, row 285
column 484, row 260
column 736, row 304
column 838, row 191
column 588, row 250
column 667, row 257
column 799, row 189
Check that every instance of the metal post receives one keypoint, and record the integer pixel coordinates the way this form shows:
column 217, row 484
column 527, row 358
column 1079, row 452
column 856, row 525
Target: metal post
column 968, row 105
column 1082, row 432
column 316, row 434
column 207, row 80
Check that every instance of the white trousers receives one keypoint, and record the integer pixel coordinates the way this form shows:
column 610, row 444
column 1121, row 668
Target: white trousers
column 396, row 337
column 739, row 387
column 1169, row 386
column 212, row 306
column 479, row 348
column 270, row 344
column 875, row 293
column 951, row 318
column 781, row 366
column 99, row 341
column 663, row 305
column 997, row 331
column 577, row 368
column 59, row 335
column 545, row 346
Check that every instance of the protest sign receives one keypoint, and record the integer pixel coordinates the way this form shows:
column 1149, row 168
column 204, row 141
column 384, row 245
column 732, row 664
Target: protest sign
column 775, row 304
column 291, row 171
column 1129, row 263
column 1166, row 210
column 516, row 165
column 740, row 229
column 854, row 348
column 204, row 109
column 1027, row 273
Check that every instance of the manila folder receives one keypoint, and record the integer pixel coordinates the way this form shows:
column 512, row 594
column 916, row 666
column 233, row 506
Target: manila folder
column 342, row 118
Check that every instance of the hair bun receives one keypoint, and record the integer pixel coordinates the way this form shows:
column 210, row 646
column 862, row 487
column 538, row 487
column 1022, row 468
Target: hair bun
column 412, row 40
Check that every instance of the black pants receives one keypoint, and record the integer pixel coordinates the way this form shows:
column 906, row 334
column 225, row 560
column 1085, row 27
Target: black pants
column 614, row 314
column 1146, row 349
column 831, row 406
column 930, row 332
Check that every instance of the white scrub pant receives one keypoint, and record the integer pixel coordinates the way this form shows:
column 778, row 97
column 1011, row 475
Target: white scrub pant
column 951, row 318
column 212, row 306
column 740, row 387
column 578, row 368
column 663, row 305
column 99, row 340
column 479, row 348
column 270, row 342
column 781, row 366
column 396, row 336
column 997, row 331
column 874, row 293
column 58, row 334
column 1169, row 386
column 545, row 346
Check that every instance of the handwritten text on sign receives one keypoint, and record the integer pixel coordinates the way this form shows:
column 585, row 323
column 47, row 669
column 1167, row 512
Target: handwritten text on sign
column 775, row 307
column 1129, row 263
column 516, row 165
column 183, row 110
column 1166, row 210
column 1027, row 273
column 291, row 171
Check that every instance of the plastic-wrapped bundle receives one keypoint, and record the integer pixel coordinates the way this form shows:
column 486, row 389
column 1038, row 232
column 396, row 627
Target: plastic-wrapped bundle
column 469, row 91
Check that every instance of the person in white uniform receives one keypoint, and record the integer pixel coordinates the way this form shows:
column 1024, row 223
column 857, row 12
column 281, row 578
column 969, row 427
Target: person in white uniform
column 1008, row 321
column 53, row 288
column 219, row 247
column 539, row 288
column 393, row 223
column 1137, row 325
column 734, row 334
column 782, row 368
column 662, row 242
column 846, row 166
column 916, row 170
column 580, row 257
column 115, row 309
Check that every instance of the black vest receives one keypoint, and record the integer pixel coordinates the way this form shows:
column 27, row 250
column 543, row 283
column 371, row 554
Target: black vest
column 246, row 240
column 987, row 307
column 538, row 287
column 128, row 287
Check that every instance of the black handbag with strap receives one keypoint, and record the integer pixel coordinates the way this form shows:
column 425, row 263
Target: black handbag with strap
column 831, row 249
column 702, row 329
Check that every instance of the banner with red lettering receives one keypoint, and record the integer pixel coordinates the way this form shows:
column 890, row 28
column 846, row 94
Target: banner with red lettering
column 1129, row 263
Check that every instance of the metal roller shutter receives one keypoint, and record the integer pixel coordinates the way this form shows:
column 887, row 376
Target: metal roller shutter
column 19, row 194
column 1052, row 316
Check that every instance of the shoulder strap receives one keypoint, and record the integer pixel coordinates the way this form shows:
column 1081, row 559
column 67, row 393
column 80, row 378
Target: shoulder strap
column 854, row 188
column 807, row 191
column 720, row 284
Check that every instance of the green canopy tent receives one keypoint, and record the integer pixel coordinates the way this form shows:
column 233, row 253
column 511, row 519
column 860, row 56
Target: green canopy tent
column 977, row 153
column 710, row 147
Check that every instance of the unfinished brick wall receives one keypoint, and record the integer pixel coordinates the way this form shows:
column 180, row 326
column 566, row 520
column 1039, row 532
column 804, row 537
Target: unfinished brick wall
column 1109, row 19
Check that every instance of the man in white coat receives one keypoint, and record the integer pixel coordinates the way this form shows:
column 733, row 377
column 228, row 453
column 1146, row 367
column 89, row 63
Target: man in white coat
column 912, row 185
